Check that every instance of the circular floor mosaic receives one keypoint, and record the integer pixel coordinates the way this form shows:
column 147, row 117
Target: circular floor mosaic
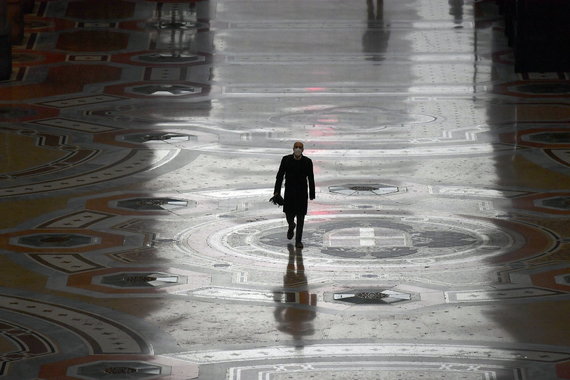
column 351, row 119
column 351, row 241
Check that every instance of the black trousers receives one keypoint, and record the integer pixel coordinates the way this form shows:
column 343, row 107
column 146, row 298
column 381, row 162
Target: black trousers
column 300, row 222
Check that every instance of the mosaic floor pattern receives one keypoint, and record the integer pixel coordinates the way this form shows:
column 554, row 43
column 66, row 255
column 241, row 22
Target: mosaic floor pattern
column 140, row 145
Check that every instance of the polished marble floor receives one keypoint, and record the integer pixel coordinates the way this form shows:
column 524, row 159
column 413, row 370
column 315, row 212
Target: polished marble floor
column 140, row 142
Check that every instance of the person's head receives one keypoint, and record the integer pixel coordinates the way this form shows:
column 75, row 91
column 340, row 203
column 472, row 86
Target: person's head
column 298, row 148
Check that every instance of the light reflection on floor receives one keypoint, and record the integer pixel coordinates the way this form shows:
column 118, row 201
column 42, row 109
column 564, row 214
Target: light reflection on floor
column 138, row 241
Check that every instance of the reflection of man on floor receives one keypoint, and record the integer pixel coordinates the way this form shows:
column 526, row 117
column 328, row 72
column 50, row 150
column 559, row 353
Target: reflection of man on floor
column 375, row 38
column 294, row 313
column 456, row 10
column 297, row 169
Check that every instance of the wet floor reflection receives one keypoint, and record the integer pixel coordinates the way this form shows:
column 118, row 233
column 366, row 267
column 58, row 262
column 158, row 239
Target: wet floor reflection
column 177, row 257
column 176, row 27
column 526, row 179
column 375, row 38
column 294, row 310
column 456, row 10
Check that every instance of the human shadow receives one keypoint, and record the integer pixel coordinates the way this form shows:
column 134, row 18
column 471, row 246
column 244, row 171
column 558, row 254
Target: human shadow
column 375, row 38
column 294, row 310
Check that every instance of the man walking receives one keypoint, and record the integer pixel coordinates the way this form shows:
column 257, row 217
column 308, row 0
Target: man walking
column 297, row 169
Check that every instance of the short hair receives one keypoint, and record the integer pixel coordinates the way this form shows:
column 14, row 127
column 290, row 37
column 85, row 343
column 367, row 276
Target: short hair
column 298, row 142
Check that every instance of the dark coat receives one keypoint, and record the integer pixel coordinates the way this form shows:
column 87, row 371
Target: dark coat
column 296, row 173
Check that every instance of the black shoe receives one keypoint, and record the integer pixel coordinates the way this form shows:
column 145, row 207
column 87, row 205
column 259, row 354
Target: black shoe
column 299, row 244
column 291, row 232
